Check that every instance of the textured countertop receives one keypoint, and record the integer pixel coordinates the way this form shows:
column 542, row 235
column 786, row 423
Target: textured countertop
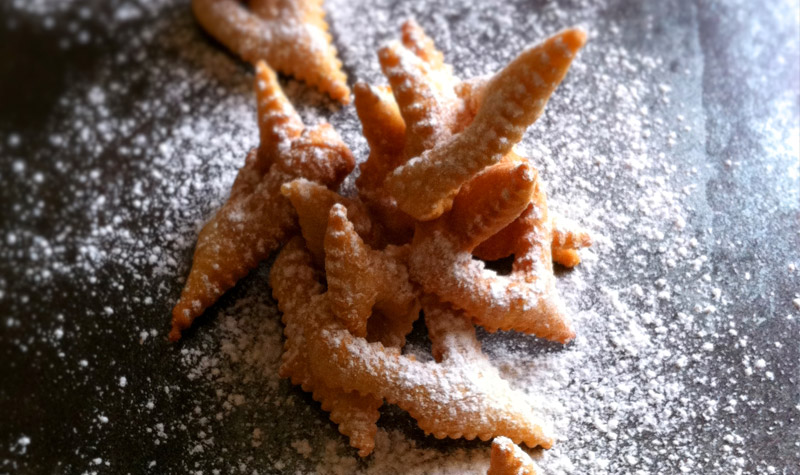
column 675, row 139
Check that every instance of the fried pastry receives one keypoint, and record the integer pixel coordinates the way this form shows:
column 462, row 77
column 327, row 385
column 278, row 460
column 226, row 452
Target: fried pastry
column 509, row 459
column 424, row 88
column 566, row 257
column 441, row 186
column 257, row 219
column 312, row 202
column 441, row 255
column 424, row 104
column 463, row 396
column 355, row 414
column 568, row 237
column 514, row 98
column 291, row 35
column 362, row 281
column 385, row 130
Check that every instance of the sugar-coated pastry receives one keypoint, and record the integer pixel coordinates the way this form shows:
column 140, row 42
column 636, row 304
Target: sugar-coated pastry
column 441, row 190
column 513, row 99
column 509, row 459
column 291, row 35
column 257, row 218
column 362, row 280
column 312, row 202
column 461, row 396
column 441, row 255
column 385, row 131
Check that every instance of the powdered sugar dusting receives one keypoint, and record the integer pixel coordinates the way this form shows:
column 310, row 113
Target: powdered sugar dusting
column 665, row 372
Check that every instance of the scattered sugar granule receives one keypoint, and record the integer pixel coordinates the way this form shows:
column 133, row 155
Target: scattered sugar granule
column 302, row 447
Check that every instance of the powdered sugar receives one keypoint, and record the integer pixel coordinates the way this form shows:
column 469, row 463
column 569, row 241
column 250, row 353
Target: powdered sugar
column 658, row 380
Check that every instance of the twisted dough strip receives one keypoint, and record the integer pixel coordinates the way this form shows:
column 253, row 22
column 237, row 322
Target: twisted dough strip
column 424, row 88
column 355, row 414
column 278, row 122
column 463, row 396
column 291, row 35
column 489, row 201
column 567, row 237
column 361, row 280
column 441, row 260
column 460, row 111
column 312, row 202
column 509, row 459
column 257, row 219
column 425, row 186
column 418, row 42
column 385, row 130
column 435, row 104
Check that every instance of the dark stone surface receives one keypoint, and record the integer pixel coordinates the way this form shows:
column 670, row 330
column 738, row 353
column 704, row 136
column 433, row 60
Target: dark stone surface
column 751, row 216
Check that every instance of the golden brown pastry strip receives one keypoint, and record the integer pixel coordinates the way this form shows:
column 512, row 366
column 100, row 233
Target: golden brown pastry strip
column 509, row 459
column 312, row 202
column 567, row 239
column 361, row 280
column 441, row 256
column 257, row 219
column 463, row 396
column 355, row 414
column 291, row 35
column 385, row 130
column 425, row 186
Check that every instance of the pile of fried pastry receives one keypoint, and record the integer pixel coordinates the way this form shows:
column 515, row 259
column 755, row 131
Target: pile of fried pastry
column 441, row 192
